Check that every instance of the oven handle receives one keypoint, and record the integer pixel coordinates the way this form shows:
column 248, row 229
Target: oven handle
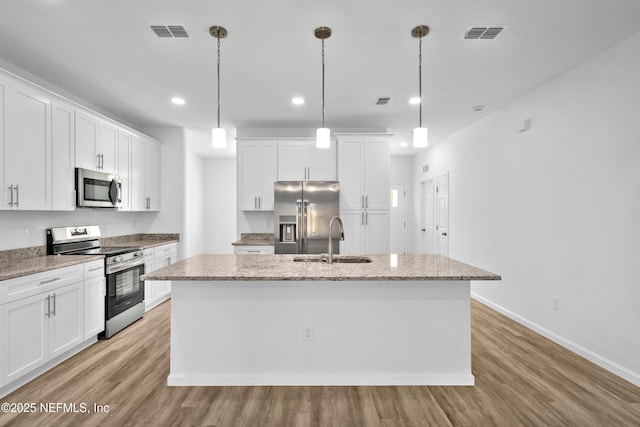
column 124, row 266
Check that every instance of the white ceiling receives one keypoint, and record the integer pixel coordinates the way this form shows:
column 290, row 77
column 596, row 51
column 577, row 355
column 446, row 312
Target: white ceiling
column 105, row 52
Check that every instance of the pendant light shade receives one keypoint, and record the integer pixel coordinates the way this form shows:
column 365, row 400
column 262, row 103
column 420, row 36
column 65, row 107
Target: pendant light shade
column 218, row 137
column 323, row 134
column 420, row 134
column 323, row 138
column 218, row 134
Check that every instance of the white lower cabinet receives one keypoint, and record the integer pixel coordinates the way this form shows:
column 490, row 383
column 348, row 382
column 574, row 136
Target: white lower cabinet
column 39, row 328
column 46, row 317
column 157, row 291
column 244, row 250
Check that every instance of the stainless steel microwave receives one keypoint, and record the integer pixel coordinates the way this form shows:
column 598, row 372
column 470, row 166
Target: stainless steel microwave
column 97, row 189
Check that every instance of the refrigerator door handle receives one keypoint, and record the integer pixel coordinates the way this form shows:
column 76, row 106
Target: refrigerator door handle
column 305, row 203
column 298, row 226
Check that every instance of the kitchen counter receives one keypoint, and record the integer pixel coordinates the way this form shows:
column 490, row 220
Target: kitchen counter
column 266, row 320
column 144, row 240
column 415, row 267
column 27, row 266
column 254, row 239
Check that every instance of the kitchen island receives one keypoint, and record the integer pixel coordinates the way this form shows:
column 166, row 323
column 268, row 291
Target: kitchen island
column 269, row 320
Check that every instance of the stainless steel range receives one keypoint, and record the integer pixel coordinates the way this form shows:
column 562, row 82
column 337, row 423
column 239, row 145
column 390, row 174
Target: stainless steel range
column 124, row 300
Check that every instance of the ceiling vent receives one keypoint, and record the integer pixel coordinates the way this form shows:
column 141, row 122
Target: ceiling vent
column 176, row 31
column 483, row 33
column 383, row 100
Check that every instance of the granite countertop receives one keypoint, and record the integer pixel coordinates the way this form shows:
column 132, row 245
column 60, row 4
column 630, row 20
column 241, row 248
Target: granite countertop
column 144, row 240
column 254, row 239
column 27, row 266
column 282, row 267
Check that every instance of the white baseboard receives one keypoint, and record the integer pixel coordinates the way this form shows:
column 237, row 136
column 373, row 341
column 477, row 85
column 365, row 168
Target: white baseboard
column 614, row 368
column 340, row 380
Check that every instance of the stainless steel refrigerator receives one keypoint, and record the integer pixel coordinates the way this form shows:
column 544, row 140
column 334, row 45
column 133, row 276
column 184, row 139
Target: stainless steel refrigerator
column 303, row 210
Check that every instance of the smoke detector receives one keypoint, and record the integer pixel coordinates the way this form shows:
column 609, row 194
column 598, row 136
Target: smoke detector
column 383, row 100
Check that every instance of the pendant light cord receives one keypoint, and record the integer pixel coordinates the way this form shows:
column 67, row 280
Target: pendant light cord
column 323, row 83
column 218, row 82
column 420, row 78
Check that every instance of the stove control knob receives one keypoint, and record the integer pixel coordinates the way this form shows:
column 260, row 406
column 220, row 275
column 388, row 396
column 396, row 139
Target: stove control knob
column 117, row 258
column 139, row 253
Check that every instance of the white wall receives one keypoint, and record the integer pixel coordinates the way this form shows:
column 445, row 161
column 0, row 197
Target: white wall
column 220, row 205
column 194, row 205
column 556, row 210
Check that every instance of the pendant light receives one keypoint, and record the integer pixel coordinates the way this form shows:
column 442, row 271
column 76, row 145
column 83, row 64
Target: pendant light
column 218, row 134
column 420, row 134
column 323, row 139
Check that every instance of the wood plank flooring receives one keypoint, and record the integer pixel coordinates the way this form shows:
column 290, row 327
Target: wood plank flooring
column 522, row 379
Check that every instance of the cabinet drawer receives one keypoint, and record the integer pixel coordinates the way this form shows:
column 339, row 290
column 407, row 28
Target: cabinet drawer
column 165, row 250
column 263, row 250
column 22, row 287
column 93, row 269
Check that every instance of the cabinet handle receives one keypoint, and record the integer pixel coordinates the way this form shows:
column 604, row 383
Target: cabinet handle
column 11, row 192
column 366, row 218
column 259, row 202
column 362, row 218
column 366, row 201
column 54, row 305
column 48, row 313
column 44, row 282
column 96, row 269
column 17, row 187
column 362, row 201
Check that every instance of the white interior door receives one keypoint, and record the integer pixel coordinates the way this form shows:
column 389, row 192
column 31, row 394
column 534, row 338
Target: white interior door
column 442, row 225
column 398, row 234
column 428, row 222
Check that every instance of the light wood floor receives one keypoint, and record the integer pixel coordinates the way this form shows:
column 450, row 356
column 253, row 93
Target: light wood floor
column 522, row 379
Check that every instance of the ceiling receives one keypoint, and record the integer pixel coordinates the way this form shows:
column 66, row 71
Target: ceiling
column 105, row 52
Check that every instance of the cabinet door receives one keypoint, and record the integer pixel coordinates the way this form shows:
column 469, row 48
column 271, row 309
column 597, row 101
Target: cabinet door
column 138, row 196
column 247, row 153
column 376, row 176
column 148, row 284
column 27, row 147
column 4, row 191
column 152, row 176
column 23, row 336
column 108, row 147
column 66, row 321
column 94, row 300
column 86, row 142
column 352, row 243
column 322, row 162
column 292, row 160
column 63, row 195
column 268, row 174
column 124, row 168
column 376, row 232
column 350, row 173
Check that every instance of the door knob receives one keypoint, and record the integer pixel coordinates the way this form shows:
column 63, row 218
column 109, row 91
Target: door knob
column 444, row 234
column 423, row 229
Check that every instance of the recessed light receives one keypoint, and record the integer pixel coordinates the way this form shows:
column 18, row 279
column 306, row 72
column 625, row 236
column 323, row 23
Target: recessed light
column 177, row 100
column 297, row 100
column 404, row 144
column 415, row 100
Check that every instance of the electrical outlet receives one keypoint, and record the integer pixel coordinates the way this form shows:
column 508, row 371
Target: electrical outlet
column 556, row 303
column 307, row 333
column 28, row 231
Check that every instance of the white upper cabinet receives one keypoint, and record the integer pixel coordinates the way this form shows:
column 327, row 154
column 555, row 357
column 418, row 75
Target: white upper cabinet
column 145, row 175
column 96, row 144
column 257, row 168
column 363, row 171
column 124, row 168
column 302, row 161
column 26, row 147
column 62, row 156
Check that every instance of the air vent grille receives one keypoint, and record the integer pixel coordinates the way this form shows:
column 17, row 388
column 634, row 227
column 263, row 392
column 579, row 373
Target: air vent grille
column 170, row 31
column 483, row 33
column 383, row 100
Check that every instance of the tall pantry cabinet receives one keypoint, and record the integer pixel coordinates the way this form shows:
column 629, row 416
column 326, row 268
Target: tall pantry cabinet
column 363, row 172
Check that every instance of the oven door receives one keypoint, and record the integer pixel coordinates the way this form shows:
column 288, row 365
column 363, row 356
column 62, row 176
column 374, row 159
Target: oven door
column 124, row 289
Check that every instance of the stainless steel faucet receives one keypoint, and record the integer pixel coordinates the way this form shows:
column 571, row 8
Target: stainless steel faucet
column 335, row 218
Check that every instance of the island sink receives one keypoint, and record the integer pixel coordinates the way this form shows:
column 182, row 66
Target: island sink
column 340, row 259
